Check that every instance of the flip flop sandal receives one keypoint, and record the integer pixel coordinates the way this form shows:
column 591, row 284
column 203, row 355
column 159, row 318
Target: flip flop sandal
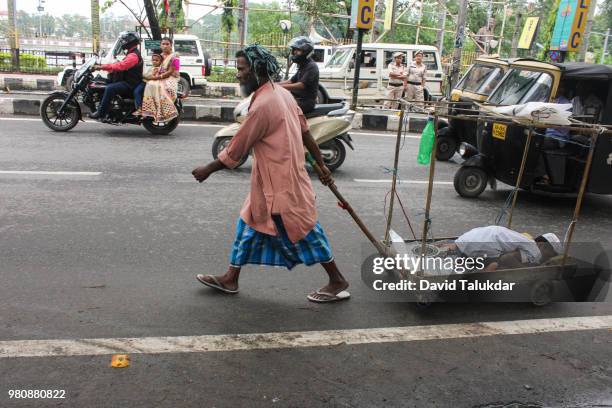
column 328, row 297
column 216, row 285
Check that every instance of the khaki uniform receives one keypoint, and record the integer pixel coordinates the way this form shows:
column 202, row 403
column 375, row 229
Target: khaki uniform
column 416, row 76
column 395, row 89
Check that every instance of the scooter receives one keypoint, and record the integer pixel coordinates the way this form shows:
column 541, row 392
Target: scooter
column 329, row 125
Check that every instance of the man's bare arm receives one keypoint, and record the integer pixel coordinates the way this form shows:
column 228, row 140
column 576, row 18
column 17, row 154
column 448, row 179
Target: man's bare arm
column 203, row 172
column 292, row 85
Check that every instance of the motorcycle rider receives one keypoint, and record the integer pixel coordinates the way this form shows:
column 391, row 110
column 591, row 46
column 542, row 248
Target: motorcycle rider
column 304, row 85
column 126, row 74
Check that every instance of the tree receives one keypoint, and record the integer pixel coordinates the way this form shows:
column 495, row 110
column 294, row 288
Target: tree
column 146, row 12
column 174, row 18
column 228, row 23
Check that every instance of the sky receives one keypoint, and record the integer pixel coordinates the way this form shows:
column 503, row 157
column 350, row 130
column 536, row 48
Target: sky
column 82, row 7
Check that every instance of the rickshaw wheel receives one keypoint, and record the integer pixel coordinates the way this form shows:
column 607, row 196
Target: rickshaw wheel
column 446, row 148
column 541, row 293
column 470, row 182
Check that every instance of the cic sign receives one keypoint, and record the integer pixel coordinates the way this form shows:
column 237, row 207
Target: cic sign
column 569, row 26
column 362, row 14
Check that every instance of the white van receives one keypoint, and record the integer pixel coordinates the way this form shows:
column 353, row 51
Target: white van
column 337, row 74
column 196, row 64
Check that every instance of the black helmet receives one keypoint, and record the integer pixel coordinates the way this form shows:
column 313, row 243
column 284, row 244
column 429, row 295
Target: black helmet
column 304, row 44
column 128, row 39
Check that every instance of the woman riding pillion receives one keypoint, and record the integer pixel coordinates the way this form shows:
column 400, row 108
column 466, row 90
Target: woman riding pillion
column 304, row 85
column 126, row 74
column 156, row 97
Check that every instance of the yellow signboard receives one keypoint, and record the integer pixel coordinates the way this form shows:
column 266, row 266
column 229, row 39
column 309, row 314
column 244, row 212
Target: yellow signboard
column 528, row 32
column 388, row 14
column 580, row 21
column 362, row 14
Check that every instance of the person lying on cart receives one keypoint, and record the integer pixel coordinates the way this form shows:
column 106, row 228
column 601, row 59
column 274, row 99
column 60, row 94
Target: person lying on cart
column 504, row 248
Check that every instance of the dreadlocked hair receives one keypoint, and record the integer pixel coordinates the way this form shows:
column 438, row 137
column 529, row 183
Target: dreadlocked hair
column 261, row 61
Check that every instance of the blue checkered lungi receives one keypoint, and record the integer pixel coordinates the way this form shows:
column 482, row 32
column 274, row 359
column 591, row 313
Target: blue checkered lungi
column 253, row 247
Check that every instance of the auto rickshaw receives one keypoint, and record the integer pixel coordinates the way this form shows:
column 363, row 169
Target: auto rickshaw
column 475, row 86
column 550, row 169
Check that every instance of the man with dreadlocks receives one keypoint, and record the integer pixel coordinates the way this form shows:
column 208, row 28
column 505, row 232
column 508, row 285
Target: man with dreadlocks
column 278, row 222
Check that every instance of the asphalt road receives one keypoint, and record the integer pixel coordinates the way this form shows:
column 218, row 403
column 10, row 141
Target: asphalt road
column 114, row 254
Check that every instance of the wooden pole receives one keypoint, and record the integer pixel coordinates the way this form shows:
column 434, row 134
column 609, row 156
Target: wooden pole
column 394, row 179
column 432, row 171
column 519, row 179
column 581, row 191
column 346, row 206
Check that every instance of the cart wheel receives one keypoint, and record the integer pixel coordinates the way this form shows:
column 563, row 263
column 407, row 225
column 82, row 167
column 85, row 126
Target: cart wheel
column 470, row 182
column 447, row 146
column 423, row 305
column 541, row 293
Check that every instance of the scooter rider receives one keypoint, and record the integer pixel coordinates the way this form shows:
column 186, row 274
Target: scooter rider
column 126, row 74
column 304, row 85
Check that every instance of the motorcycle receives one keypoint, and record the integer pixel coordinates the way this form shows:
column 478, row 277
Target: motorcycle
column 61, row 110
column 329, row 125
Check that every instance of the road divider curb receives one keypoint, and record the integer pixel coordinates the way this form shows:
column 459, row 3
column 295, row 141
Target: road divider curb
column 194, row 110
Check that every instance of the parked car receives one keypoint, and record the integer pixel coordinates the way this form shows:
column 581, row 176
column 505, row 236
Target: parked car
column 374, row 74
column 196, row 64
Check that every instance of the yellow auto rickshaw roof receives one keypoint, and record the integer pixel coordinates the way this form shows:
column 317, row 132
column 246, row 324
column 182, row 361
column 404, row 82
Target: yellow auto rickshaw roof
column 492, row 61
column 534, row 64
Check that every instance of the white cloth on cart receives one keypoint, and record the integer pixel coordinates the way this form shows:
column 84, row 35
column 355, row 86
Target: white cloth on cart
column 542, row 112
column 493, row 241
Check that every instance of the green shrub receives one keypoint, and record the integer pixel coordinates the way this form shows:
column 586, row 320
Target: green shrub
column 27, row 63
column 222, row 74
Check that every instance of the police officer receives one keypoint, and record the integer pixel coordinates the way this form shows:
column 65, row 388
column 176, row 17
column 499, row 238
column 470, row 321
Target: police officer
column 416, row 78
column 126, row 74
column 397, row 77
column 304, row 85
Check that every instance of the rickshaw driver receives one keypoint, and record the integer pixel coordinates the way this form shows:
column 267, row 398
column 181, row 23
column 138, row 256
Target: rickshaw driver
column 505, row 248
column 587, row 107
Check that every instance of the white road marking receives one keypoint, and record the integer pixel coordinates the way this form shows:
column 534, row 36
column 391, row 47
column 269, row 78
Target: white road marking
column 283, row 340
column 51, row 173
column 95, row 122
column 385, row 135
column 21, row 119
column 401, row 181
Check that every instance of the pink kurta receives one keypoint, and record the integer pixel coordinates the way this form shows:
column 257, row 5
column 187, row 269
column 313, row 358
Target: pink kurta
column 279, row 181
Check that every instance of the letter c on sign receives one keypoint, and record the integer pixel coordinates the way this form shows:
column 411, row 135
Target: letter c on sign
column 365, row 15
column 575, row 40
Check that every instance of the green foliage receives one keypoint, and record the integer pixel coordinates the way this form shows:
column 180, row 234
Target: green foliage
column 176, row 9
column 547, row 29
column 223, row 74
column 27, row 63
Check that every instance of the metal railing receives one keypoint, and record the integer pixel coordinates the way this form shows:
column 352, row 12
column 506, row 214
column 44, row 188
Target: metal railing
column 40, row 61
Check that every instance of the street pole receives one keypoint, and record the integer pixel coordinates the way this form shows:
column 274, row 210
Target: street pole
column 357, row 68
column 13, row 34
column 515, row 35
column 418, row 31
column 605, row 47
column 584, row 46
column 242, row 23
column 503, row 28
column 440, row 37
column 459, row 38
column 95, row 26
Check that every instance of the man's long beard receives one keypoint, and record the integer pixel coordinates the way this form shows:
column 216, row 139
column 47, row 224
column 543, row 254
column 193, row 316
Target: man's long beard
column 249, row 86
